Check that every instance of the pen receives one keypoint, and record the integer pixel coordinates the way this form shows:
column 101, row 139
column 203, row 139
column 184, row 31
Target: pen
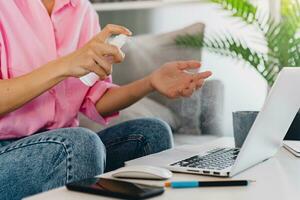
column 192, row 184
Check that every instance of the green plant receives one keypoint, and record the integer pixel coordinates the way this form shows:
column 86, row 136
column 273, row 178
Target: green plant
column 280, row 37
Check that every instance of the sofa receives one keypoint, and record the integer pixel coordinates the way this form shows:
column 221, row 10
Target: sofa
column 193, row 120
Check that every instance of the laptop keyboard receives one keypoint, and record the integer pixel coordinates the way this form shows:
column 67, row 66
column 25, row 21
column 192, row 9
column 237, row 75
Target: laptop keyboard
column 216, row 159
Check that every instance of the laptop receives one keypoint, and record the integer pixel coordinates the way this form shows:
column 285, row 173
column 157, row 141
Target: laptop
column 263, row 141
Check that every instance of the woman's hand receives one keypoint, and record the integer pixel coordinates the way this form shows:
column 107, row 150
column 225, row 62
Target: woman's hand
column 173, row 81
column 170, row 80
column 96, row 56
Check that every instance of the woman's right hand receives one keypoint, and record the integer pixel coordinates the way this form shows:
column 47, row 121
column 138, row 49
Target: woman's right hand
column 96, row 56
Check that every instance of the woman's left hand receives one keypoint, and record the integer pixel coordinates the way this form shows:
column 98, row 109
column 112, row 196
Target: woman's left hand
column 173, row 81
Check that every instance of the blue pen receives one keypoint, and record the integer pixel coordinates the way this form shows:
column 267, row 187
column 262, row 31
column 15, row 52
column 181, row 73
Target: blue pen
column 193, row 184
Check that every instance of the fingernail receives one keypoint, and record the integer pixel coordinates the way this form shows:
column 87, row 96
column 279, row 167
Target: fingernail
column 129, row 32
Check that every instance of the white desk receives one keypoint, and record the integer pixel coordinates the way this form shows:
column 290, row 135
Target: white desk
column 276, row 179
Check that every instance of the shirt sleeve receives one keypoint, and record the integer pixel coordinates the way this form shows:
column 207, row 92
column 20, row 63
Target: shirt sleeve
column 95, row 93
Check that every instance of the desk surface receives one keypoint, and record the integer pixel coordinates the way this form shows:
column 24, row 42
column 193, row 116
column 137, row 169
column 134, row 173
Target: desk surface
column 276, row 178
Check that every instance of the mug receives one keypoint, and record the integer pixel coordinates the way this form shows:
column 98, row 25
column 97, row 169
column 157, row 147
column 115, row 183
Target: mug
column 243, row 121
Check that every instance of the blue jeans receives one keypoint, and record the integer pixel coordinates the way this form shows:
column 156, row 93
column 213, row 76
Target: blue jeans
column 51, row 159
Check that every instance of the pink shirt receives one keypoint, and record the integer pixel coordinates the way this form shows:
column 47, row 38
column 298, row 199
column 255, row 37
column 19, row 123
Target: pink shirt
column 29, row 38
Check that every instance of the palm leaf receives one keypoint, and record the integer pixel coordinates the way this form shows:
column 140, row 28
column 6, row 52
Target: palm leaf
column 240, row 8
column 280, row 37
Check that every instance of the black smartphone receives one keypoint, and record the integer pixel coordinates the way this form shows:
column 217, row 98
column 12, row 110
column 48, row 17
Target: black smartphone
column 115, row 188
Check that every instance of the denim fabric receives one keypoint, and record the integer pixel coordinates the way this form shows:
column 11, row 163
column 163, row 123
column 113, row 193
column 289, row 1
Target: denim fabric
column 51, row 159
column 133, row 139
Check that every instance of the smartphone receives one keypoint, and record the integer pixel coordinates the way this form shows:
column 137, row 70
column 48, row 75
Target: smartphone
column 115, row 188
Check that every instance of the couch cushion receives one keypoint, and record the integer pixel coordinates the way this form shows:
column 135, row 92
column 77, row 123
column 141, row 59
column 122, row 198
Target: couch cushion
column 146, row 53
column 212, row 108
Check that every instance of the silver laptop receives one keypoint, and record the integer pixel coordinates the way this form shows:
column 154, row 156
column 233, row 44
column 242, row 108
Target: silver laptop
column 264, row 139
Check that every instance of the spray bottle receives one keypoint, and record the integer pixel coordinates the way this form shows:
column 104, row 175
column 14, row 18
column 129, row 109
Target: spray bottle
column 91, row 78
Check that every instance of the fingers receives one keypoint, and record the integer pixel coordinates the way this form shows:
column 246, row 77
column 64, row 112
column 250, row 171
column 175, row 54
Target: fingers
column 191, row 64
column 103, row 49
column 112, row 29
column 99, row 71
column 203, row 75
column 99, row 65
column 100, row 47
column 102, row 63
column 193, row 83
column 199, row 78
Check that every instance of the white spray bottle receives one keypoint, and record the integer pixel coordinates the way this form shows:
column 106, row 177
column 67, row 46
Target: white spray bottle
column 91, row 78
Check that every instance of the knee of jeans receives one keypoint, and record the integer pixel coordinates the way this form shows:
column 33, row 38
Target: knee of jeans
column 158, row 135
column 87, row 154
